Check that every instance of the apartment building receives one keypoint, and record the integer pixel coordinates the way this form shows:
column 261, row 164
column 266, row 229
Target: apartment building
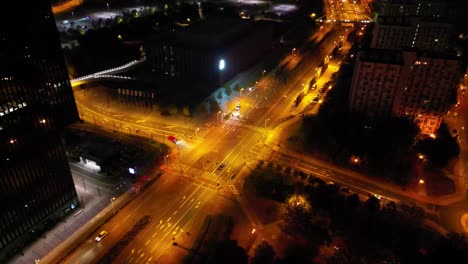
column 412, row 32
column 375, row 82
column 428, row 82
column 404, row 83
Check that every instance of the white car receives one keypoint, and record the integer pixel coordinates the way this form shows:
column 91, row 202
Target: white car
column 236, row 112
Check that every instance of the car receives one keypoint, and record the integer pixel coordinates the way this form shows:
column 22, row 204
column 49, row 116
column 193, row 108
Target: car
column 173, row 139
column 317, row 98
column 144, row 220
column 101, row 236
column 236, row 112
column 374, row 195
column 344, row 189
column 221, row 166
column 322, row 90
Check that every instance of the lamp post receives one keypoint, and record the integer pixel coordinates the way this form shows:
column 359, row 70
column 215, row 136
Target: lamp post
column 266, row 120
column 165, row 159
column 240, row 91
column 112, row 203
column 263, row 73
column 218, row 115
column 196, row 131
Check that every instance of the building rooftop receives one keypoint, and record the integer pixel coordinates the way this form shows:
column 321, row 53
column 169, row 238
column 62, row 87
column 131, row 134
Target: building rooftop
column 381, row 56
column 213, row 32
column 446, row 55
column 409, row 20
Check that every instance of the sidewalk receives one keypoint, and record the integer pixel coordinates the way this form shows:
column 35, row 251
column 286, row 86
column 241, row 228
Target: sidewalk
column 74, row 240
column 72, row 225
column 99, row 98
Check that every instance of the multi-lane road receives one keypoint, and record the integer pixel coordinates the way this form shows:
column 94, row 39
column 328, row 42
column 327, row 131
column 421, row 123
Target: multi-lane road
column 191, row 187
column 176, row 203
column 345, row 11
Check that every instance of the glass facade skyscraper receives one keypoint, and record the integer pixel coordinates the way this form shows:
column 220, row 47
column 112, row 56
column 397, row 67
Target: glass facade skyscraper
column 36, row 102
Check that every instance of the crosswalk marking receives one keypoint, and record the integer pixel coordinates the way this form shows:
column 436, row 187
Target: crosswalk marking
column 242, row 123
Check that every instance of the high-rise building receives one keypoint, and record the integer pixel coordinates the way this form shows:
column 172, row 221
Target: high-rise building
column 428, row 83
column 420, row 8
column 375, row 82
column 411, row 32
column 404, row 83
column 36, row 101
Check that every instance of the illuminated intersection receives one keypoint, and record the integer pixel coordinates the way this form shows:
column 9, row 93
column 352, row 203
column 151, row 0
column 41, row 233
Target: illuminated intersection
column 345, row 11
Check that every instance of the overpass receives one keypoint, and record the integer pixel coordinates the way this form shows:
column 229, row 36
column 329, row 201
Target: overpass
column 108, row 74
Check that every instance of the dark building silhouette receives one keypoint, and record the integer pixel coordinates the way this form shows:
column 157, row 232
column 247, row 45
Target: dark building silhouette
column 36, row 101
column 211, row 51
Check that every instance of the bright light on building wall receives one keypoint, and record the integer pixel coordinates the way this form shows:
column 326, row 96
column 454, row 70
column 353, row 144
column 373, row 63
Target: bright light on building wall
column 221, row 64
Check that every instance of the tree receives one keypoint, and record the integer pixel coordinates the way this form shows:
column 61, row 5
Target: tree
column 441, row 150
column 450, row 249
column 214, row 106
column 186, row 110
column 228, row 252
column 372, row 204
column 297, row 214
column 228, row 91
column 299, row 254
column 353, row 201
column 173, row 110
column 264, row 254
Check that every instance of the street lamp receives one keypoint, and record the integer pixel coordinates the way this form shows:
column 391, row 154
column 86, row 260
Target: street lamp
column 165, row 159
column 218, row 116
column 196, row 131
column 112, row 203
column 263, row 73
column 240, row 91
